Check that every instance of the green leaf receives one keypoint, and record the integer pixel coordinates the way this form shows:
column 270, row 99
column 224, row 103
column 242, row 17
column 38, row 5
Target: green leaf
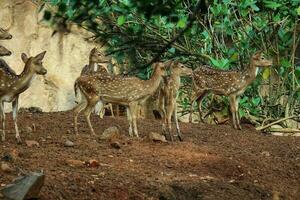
column 298, row 10
column 181, row 23
column 121, row 20
column 266, row 73
column 271, row 4
column 256, row 101
column 172, row 50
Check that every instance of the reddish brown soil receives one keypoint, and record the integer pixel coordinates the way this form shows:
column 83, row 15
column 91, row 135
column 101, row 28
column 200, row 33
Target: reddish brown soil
column 213, row 162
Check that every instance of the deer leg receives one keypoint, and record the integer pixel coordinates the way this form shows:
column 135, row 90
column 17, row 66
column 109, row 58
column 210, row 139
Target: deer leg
column 99, row 109
column 130, row 121
column 111, row 110
column 170, row 110
column 162, row 109
column 179, row 135
column 199, row 101
column 2, row 120
column 77, row 110
column 232, row 100
column 88, row 110
column 193, row 100
column 133, row 110
column 196, row 97
column 15, row 115
column 237, row 117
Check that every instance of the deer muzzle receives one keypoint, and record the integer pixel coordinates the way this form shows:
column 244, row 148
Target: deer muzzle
column 43, row 71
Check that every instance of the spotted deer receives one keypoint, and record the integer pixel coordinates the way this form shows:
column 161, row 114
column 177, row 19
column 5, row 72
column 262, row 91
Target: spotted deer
column 127, row 91
column 12, row 85
column 95, row 59
column 165, row 97
column 227, row 83
column 4, row 35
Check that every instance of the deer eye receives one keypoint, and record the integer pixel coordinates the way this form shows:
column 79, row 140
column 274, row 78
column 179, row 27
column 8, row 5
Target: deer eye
column 262, row 58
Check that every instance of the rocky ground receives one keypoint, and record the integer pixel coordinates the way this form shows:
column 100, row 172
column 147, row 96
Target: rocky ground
column 213, row 162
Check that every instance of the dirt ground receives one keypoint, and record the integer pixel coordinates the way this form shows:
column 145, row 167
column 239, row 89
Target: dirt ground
column 213, row 162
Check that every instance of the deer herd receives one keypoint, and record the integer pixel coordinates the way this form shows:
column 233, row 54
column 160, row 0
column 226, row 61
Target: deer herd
column 97, row 89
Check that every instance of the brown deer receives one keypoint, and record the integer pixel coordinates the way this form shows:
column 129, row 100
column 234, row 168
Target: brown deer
column 228, row 83
column 127, row 91
column 12, row 85
column 167, row 96
column 92, row 68
column 4, row 35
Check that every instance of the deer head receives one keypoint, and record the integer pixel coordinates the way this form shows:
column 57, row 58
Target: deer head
column 180, row 69
column 35, row 63
column 159, row 69
column 258, row 60
column 97, row 57
column 4, row 51
column 4, row 35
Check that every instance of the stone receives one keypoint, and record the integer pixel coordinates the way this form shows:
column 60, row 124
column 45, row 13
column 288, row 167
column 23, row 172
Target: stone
column 110, row 133
column 265, row 153
column 156, row 137
column 25, row 187
column 92, row 163
column 5, row 167
column 28, row 130
column 31, row 143
column 69, row 143
column 74, row 163
column 115, row 145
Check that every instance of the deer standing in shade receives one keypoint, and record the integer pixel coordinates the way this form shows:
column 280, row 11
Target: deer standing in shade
column 4, row 35
column 12, row 85
column 127, row 91
column 227, row 83
column 92, row 68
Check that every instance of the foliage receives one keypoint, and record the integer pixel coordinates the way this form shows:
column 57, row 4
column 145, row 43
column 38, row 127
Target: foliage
column 224, row 34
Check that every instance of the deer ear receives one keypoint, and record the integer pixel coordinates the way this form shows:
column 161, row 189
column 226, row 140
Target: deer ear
column 24, row 57
column 93, row 50
column 40, row 56
column 257, row 55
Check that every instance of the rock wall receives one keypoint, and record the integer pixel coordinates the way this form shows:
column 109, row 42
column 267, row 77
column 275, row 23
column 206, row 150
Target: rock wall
column 66, row 55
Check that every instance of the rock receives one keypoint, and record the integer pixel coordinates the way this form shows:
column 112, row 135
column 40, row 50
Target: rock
column 115, row 145
column 6, row 168
column 31, row 143
column 74, row 163
column 156, row 137
column 92, row 163
column 69, row 143
column 110, row 133
column 28, row 130
column 25, row 187
column 265, row 153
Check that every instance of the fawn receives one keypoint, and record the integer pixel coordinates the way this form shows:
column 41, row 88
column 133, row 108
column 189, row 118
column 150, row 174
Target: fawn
column 12, row 85
column 93, row 67
column 4, row 35
column 168, row 95
column 228, row 83
column 127, row 91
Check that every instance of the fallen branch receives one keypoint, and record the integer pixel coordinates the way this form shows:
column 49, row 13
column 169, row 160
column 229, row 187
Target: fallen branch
column 273, row 123
column 284, row 130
